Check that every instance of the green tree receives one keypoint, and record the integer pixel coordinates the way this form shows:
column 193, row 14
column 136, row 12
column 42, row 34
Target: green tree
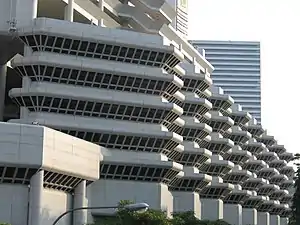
column 295, row 219
column 153, row 217
column 189, row 218
column 126, row 217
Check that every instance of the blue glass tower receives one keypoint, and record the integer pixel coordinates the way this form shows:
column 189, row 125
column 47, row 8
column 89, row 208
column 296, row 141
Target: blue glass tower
column 237, row 71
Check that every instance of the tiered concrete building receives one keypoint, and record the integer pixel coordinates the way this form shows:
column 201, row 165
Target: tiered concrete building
column 105, row 101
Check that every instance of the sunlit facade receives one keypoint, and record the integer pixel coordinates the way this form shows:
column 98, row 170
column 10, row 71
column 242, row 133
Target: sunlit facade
column 107, row 101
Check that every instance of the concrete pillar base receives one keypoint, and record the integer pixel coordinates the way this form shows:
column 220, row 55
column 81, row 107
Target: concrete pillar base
column 80, row 217
column 263, row 218
column 187, row 201
column 249, row 216
column 274, row 220
column 35, row 198
column 211, row 209
column 233, row 214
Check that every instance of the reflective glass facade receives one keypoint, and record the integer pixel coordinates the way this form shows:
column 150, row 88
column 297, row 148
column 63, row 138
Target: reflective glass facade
column 237, row 71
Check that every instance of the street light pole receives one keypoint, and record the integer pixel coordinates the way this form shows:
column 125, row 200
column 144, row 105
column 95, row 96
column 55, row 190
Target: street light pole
column 131, row 207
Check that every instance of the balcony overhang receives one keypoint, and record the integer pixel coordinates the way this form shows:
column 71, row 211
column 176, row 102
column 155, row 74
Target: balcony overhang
column 278, row 149
column 287, row 156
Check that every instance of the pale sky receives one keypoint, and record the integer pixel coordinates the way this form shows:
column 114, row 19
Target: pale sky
column 276, row 24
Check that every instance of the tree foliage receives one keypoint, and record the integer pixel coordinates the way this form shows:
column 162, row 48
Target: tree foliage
column 295, row 219
column 153, row 217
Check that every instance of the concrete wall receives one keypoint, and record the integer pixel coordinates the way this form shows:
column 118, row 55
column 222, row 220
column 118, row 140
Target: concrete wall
column 111, row 192
column 55, row 203
column 13, row 204
column 37, row 146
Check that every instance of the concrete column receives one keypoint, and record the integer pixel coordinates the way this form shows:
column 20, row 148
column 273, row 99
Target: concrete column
column 69, row 11
column 249, row 216
column 263, row 218
column 284, row 221
column 35, row 198
column 211, row 209
column 187, row 201
column 3, row 72
column 34, row 8
column 233, row 214
column 100, row 5
column 80, row 217
column 274, row 220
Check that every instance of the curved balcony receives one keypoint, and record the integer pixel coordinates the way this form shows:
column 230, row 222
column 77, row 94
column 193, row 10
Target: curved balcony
column 220, row 101
column 287, row 184
column 193, row 155
column 278, row 149
column 254, row 147
column 253, row 128
column 190, row 181
column 95, row 42
column 267, row 206
column 278, row 179
column 286, row 199
column 217, row 144
column 237, row 175
column 254, row 165
column 195, row 81
column 204, row 94
column 278, row 194
column 239, row 116
column 110, row 133
column 288, row 171
column 217, row 121
column 96, row 103
column 287, row 156
column 193, row 130
column 237, row 196
column 267, row 156
column 277, row 164
column 194, row 106
column 97, row 73
column 253, row 201
column 216, row 190
column 266, row 139
column 278, row 209
column 266, row 173
column 254, row 183
column 237, row 135
column 237, row 155
column 122, row 165
column 216, row 166
column 267, row 189
column 286, row 213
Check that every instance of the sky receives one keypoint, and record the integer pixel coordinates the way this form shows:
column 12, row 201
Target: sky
column 274, row 24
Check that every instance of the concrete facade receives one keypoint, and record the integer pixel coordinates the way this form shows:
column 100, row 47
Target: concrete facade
column 86, row 74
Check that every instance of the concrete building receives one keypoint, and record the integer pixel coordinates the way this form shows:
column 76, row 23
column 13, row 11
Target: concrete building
column 180, row 22
column 237, row 71
column 105, row 101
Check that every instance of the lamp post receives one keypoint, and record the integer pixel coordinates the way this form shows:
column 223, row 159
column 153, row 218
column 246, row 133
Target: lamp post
column 131, row 207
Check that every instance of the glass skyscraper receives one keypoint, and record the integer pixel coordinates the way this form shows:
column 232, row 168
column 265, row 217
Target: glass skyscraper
column 237, row 71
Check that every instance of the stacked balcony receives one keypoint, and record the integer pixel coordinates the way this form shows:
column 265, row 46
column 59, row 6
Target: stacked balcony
column 122, row 94
column 196, row 135
column 212, row 196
